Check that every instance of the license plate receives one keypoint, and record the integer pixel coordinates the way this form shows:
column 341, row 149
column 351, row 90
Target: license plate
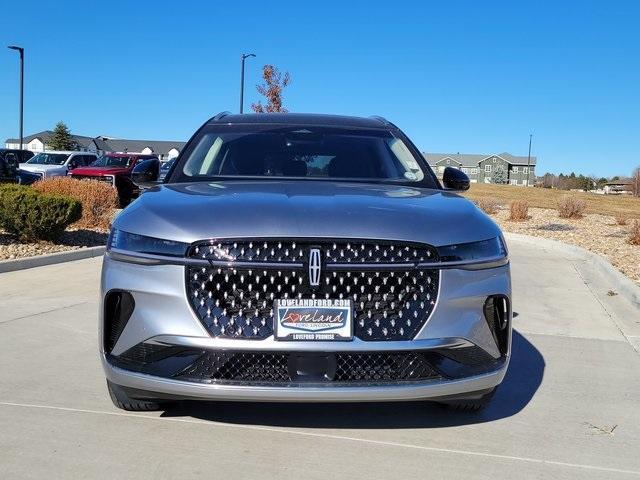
column 316, row 320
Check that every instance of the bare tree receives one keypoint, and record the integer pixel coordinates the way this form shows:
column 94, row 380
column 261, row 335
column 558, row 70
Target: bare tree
column 635, row 179
column 271, row 89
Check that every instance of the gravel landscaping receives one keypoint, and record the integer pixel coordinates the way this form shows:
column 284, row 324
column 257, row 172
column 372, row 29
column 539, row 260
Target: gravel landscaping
column 70, row 240
column 596, row 233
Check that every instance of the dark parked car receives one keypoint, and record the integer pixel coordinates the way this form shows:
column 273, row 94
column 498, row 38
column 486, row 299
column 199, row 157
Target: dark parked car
column 15, row 156
column 115, row 169
column 10, row 159
column 304, row 258
column 164, row 169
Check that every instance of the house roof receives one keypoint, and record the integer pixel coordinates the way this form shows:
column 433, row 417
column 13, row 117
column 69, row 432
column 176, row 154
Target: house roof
column 619, row 182
column 473, row 159
column 159, row 147
column 45, row 135
column 108, row 144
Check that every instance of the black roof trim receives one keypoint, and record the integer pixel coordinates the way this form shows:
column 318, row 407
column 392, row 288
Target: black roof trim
column 220, row 116
column 302, row 119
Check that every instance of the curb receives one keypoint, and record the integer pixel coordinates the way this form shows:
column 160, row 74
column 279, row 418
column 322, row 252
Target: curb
column 50, row 259
column 619, row 282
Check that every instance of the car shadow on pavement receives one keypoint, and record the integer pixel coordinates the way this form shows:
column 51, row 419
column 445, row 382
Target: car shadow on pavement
column 523, row 378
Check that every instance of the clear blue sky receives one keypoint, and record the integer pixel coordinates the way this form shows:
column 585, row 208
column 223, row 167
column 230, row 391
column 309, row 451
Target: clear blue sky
column 457, row 76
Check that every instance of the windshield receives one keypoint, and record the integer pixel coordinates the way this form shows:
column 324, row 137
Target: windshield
column 49, row 159
column 111, row 161
column 321, row 153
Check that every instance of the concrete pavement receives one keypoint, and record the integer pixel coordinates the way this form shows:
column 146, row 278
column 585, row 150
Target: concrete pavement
column 569, row 407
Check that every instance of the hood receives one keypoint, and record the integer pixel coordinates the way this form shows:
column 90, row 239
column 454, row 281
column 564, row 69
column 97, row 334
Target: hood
column 99, row 171
column 35, row 167
column 302, row 209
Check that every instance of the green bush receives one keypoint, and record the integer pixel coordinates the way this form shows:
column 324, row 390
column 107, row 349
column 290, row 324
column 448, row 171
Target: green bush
column 31, row 215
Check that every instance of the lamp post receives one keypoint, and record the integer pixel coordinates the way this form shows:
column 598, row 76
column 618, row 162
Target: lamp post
column 243, row 57
column 529, row 162
column 21, row 51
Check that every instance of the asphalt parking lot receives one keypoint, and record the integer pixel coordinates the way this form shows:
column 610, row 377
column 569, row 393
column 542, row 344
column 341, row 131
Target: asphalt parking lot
column 569, row 407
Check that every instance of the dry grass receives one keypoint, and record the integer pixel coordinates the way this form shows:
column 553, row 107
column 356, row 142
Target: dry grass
column 548, row 198
column 634, row 233
column 570, row 207
column 518, row 211
column 488, row 205
column 98, row 200
column 621, row 218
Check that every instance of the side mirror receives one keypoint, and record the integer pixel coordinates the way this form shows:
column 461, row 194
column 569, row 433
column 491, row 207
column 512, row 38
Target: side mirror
column 146, row 173
column 454, row 179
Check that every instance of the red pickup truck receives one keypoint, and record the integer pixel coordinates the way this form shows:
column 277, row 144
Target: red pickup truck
column 115, row 169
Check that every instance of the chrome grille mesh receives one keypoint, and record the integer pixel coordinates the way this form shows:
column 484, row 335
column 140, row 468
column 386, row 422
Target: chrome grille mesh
column 343, row 251
column 390, row 303
column 273, row 367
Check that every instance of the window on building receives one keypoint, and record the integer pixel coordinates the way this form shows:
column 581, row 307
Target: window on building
column 448, row 161
column 474, row 171
column 525, row 169
column 487, row 168
column 515, row 169
column 464, row 169
column 513, row 182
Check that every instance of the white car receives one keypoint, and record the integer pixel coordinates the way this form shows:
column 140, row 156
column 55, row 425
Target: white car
column 57, row 163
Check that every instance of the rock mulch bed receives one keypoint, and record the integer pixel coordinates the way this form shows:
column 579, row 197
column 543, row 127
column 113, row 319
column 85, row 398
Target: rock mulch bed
column 597, row 233
column 70, row 240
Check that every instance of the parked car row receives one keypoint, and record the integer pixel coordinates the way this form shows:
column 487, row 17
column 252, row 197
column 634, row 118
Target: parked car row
column 115, row 169
column 23, row 167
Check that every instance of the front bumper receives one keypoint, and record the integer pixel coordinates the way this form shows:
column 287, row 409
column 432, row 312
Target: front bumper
column 157, row 387
column 162, row 315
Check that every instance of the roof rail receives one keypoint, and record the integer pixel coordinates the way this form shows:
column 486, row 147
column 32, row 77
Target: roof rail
column 220, row 116
column 382, row 120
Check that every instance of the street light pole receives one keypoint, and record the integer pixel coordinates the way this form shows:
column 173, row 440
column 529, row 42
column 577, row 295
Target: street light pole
column 529, row 162
column 21, row 51
column 243, row 57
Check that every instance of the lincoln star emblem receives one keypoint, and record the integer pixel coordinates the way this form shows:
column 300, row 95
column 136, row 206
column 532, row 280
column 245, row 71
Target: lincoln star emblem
column 314, row 267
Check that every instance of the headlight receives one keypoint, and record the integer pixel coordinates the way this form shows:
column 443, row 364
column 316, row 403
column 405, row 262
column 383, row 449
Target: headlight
column 133, row 242
column 486, row 249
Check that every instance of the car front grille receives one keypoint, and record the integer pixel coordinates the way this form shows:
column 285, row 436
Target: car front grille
column 281, row 367
column 392, row 298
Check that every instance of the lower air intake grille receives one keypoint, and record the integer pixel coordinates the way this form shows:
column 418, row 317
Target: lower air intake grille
column 280, row 367
column 383, row 367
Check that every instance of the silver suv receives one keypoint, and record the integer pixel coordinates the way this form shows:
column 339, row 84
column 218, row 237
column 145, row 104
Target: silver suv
column 306, row 258
column 53, row 163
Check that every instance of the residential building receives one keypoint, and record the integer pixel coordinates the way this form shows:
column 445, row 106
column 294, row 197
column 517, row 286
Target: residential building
column 165, row 150
column 492, row 168
column 618, row 187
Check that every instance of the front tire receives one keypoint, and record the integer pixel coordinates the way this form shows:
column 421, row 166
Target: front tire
column 123, row 401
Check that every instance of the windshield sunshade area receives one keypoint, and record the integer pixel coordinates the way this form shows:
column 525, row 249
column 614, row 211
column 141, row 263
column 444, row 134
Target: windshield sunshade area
column 111, row 161
column 300, row 152
column 48, row 159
